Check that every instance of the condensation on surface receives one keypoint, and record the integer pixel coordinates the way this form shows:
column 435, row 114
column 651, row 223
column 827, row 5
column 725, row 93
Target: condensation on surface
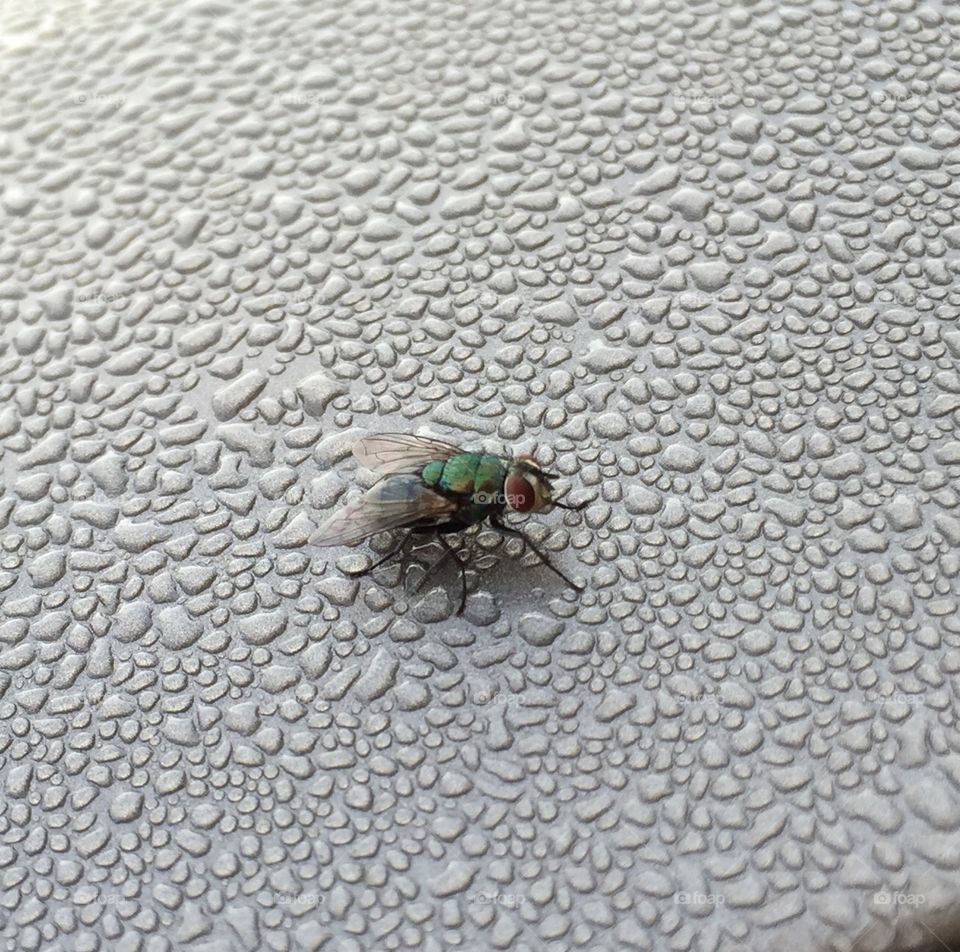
column 700, row 257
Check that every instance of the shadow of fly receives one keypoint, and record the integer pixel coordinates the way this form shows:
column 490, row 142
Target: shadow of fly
column 431, row 488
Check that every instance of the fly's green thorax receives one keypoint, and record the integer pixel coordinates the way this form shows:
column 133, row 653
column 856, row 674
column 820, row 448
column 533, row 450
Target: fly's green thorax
column 467, row 473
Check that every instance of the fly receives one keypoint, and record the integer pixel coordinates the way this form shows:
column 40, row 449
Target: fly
column 430, row 487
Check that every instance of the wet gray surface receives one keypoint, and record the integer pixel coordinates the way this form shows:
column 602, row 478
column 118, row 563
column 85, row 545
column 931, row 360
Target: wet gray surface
column 701, row 258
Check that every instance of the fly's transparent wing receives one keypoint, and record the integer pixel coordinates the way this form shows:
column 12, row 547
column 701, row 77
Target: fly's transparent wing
column 391, row 504
column 401, row 452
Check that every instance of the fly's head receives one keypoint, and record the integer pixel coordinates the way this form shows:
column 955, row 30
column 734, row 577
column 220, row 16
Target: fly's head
column 528, row 488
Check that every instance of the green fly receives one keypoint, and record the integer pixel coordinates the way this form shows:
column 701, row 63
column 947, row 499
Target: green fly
column 433, row 488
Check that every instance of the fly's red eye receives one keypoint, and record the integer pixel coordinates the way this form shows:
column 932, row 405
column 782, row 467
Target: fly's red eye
column 521, row 496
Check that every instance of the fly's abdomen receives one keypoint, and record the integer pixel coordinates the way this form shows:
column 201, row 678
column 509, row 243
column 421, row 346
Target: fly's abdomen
column 467, row 474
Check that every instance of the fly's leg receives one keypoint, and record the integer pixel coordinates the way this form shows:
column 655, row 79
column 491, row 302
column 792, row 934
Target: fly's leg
column 509, row 530
column 436, row 563
column 463, row 575
column 447, row 553
column 399, row 547
column 579, row 507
